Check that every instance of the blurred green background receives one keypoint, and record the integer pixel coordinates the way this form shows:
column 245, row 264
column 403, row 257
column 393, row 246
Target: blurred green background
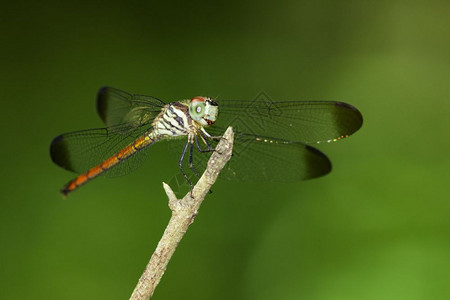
column 377, row 227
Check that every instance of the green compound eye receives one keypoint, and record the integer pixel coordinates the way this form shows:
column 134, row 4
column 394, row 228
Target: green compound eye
column 197, row 108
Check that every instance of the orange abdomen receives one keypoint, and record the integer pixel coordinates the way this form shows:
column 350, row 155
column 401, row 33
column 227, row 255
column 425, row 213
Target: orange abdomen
column 107, row 164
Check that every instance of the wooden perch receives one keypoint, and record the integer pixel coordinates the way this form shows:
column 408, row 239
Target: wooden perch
column 184, row 212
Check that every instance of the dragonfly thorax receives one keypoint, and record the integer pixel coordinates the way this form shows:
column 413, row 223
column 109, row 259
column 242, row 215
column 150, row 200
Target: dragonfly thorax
column 203, row 110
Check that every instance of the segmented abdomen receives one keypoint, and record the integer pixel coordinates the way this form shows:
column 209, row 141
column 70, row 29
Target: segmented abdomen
column 142, row 142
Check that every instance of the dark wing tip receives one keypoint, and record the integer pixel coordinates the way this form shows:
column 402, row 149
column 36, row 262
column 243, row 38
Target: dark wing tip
column 56, row 139
column 346, row 105
column 54, row 146
column 318, row 163
column 103, row 89
column 103, row 92
column 59, row 153
column 102, row 102
column 353, row 117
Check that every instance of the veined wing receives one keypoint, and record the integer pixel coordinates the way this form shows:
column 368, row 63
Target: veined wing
column 118, row 108
column 81, row 150
column 304, row 121
column 265, row 159
column 270, row 159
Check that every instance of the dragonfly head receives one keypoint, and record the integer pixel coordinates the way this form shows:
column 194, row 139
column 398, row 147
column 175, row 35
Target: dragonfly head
column 203, row 110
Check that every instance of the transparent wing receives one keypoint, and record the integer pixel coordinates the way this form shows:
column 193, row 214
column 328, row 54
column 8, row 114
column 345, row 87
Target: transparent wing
column 126, row 116
column 116, row 108
column 81, row 150
column 264, row 159
column 304, row 121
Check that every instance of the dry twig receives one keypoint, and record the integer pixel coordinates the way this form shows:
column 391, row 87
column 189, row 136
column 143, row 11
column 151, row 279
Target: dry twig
column 183, row 214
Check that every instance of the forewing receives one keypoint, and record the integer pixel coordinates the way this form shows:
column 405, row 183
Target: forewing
column 304, row 121
column 117, row 108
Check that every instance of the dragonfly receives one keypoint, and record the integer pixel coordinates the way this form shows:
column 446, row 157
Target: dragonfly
column 273, row 139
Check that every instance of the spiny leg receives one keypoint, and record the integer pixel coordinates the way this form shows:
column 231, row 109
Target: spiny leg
column 204, row 139
column 210, row 149
column 191, row 150
column 205, row 136
column 212, row 137
column 180, row 163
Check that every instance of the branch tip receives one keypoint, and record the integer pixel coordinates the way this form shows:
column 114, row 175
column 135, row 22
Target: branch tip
column 183, row 214
column 170, row 194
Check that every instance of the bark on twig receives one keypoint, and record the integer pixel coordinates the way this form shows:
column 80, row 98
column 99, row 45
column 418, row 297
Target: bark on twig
column 183, row 214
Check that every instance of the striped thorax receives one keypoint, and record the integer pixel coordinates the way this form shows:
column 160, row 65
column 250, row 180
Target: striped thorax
column 186, row 117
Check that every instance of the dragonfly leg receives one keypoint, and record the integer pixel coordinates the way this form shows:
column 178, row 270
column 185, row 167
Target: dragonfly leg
column 191, row 160
column 213, row 137
column 180, row 163
column 205, row 140
column 210, row 148
column 191, row 150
